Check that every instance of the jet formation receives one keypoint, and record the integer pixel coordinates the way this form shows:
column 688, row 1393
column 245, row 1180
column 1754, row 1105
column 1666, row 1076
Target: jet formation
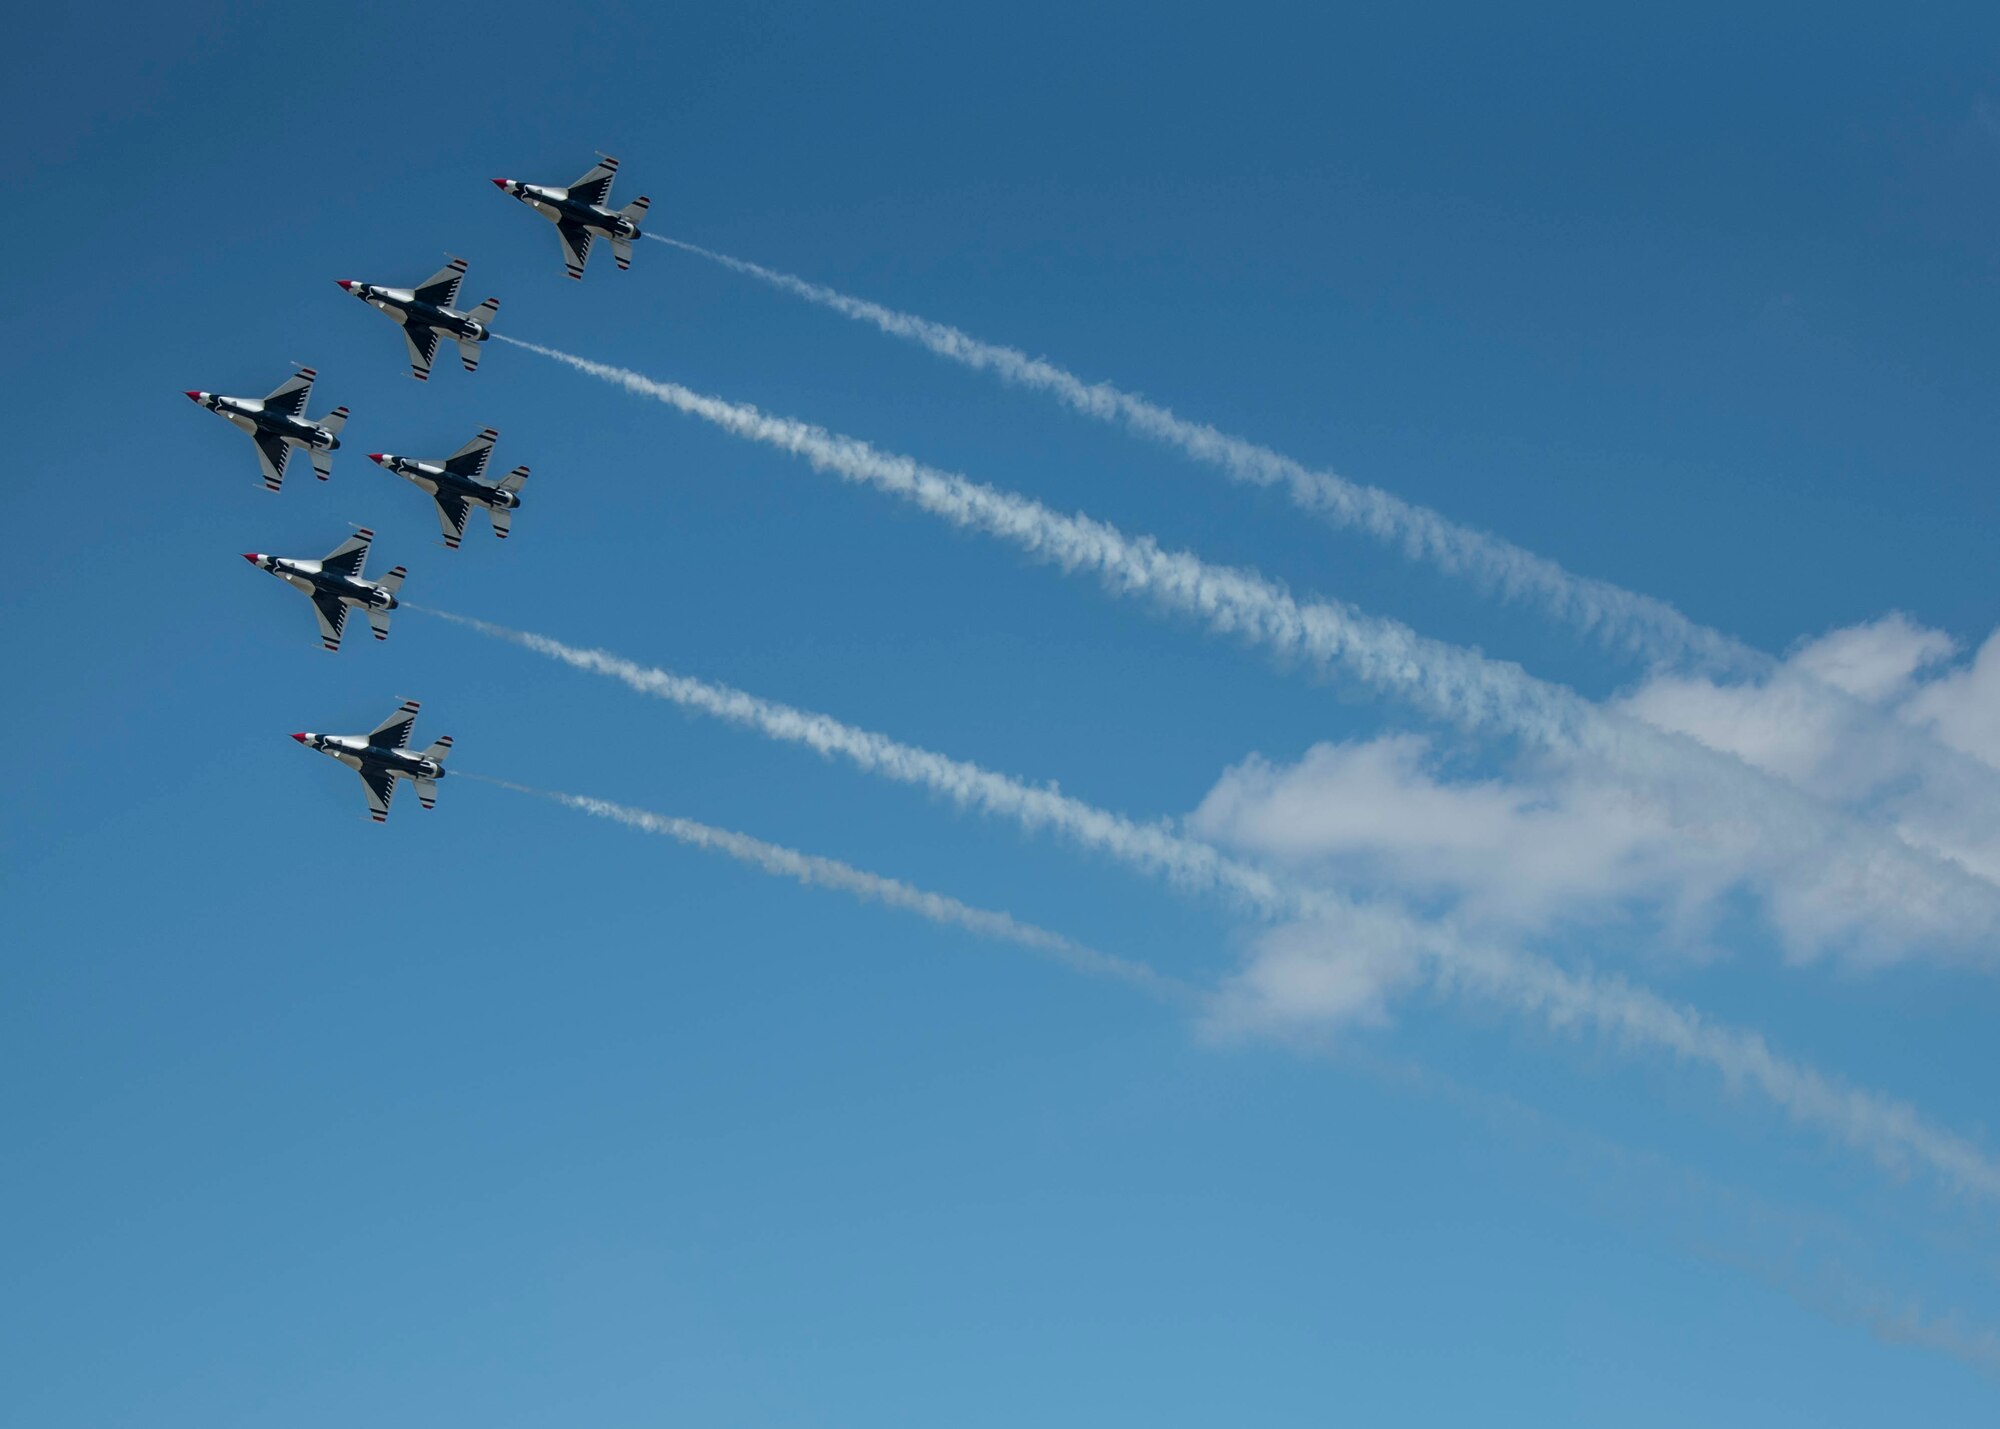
column 382, row 756
column 457, row 484
column 427, row 315
column 580, row 214
column 278, row 423
column 334, row 584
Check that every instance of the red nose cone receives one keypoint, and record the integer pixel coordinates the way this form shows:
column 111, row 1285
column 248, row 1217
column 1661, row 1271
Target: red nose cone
column 300, row 738
column 376, row 457
column 251, row 557
column 499, row 183
column 194, row 396
column 346, row 284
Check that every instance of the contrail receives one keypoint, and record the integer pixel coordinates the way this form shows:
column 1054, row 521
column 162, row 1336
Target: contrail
column 1864, row 867
column 1638, row 622
column 815, row 871
column 1897, row 1319
column 1890, row 1132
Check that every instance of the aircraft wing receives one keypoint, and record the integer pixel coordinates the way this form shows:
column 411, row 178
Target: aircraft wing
column 332, row 613
column 423, row 343
column 272, row 454
column 291, row 396
column 453, row 510
column 394, row 732
column 575, row 245
column 349, row 556
column 470, row 459
column 595, row 187
column 440, row 290
column 381, row 787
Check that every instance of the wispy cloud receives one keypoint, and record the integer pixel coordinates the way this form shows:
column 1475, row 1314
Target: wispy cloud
column 817, row 871
column 1307, row 979
column 1829, row 877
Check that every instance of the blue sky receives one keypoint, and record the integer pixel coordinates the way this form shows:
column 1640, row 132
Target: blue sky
column 509, row 1114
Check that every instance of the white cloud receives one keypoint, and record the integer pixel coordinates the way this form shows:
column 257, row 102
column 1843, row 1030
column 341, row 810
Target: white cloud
column 1379, row 812
column 1963, row 705
column 1934, row 798
column 1876, row 662
column 1324, row 973
column 1559, row 842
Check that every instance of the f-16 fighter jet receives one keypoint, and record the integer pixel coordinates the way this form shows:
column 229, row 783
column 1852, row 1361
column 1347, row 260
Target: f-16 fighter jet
column 579, row 214
column 382, row 756
column 278, row 423
column 426, row 313
column 334, row 584
column 458, row 484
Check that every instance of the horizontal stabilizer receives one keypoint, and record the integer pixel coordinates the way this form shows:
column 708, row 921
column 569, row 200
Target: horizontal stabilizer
column 485, row 312
column 427, row 793
column 322, row 464
column 439, row 748
column 621, row 253
column 468, row 353
column 636, row 210
column 336, row 419
column 515, row 479
column 378, row 621
column 392, row 582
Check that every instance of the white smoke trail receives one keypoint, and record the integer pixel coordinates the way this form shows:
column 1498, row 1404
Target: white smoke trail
column 1874, row 872
column 816, row 871
column 1890, row 1132
column 1639, row 622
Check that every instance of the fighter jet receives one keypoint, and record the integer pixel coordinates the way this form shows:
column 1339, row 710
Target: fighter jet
column 382, row 756
column 579, row 214
column 457, row 484
column 334, row 584
column 278, row 423
column 426, row 312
